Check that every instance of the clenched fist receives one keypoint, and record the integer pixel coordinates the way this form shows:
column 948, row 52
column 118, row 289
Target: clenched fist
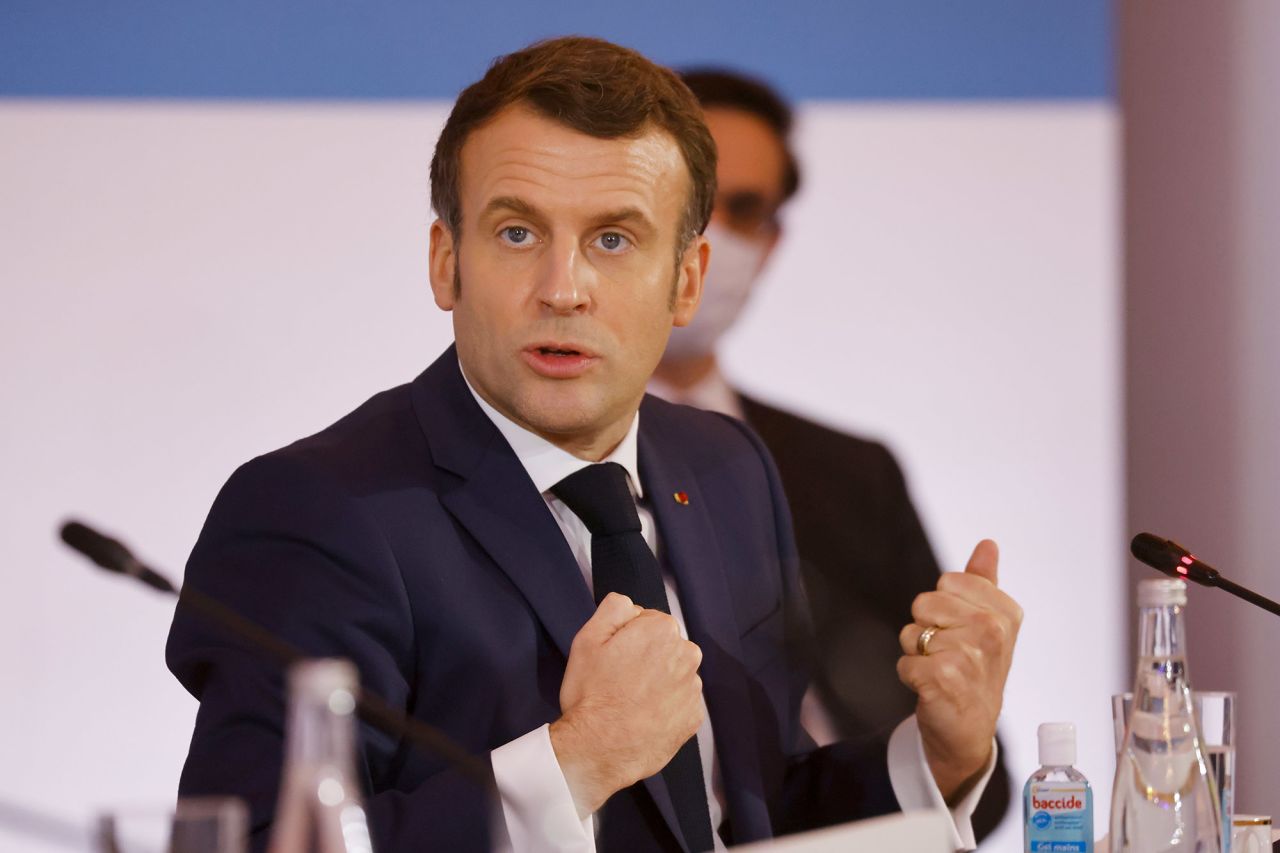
column 630, row 698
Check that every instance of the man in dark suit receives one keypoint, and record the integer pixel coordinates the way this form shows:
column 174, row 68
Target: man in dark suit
column 593, row 591
column 864, row 555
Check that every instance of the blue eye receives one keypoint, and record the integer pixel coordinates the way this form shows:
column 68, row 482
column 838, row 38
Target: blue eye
column 516, row 234
column 612, row 241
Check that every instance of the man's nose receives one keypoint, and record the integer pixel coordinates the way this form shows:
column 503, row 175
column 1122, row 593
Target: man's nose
column 564, row 280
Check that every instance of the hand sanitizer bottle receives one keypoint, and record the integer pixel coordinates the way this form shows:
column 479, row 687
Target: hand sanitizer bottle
column 1057, row 802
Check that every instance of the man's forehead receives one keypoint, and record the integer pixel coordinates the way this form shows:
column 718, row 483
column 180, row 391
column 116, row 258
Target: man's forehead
column 750, row 151
column 521, row 153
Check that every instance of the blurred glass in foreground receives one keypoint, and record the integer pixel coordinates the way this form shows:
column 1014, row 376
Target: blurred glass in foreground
column 197, row 825
column 321, row 807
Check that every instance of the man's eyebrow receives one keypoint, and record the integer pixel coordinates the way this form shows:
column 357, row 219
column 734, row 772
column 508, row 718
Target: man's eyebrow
column 619, row 216
column 625, row 215
column 510, row 204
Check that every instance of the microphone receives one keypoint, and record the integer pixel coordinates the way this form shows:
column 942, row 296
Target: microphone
column 113, row 556
column 1167, row 556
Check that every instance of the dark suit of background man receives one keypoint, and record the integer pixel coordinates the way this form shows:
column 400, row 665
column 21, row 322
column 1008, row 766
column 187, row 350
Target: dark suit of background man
column 864, row 556
column 422, row 536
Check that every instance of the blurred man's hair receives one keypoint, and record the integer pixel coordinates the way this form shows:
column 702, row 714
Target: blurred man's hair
column 594, row 87
column 720, row 87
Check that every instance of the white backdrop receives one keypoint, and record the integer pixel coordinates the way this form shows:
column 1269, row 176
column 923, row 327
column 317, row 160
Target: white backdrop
column 187, row 286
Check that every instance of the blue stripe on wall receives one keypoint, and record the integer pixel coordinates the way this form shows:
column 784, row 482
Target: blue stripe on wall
column 362, row 49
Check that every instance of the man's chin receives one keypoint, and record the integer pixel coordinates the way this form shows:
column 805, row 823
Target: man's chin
column 574, row 419
column 564, row 418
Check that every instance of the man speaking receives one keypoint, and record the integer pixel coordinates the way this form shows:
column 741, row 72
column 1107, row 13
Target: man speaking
column 594, row 591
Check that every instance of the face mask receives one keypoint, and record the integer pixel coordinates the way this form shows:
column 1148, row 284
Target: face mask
column 735, row 263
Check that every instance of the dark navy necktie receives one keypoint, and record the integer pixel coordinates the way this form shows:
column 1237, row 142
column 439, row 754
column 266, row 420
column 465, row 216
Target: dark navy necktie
column 622, row 562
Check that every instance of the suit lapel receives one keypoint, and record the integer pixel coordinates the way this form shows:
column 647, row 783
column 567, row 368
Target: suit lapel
column 689, row 548
column 498, row 504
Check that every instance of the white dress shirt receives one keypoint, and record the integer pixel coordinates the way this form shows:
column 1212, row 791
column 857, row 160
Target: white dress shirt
column 538, row 809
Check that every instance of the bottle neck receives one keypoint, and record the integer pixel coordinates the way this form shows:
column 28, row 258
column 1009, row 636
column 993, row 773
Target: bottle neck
column 321, row 730
column 1162, row 632
column 319, row 809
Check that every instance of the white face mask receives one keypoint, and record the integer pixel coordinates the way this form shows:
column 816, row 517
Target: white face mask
column 735, row 263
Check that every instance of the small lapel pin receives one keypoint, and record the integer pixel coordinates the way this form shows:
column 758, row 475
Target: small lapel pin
column 682, row 498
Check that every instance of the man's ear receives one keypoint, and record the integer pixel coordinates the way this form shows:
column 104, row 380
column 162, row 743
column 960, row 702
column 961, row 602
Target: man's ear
column 443, row 266
column 693, row 271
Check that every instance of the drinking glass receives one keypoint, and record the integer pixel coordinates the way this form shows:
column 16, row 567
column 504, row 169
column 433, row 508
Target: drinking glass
column 196, row 825
column 1216, row 719
column 1252, row 834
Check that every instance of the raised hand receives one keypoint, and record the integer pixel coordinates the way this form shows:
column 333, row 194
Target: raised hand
column 959, row 669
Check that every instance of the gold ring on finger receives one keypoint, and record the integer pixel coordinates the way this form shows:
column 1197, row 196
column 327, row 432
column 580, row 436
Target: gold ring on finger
column 922, row 642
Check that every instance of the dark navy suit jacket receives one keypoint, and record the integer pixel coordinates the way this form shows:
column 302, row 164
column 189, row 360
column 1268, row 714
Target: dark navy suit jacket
column 408, row 538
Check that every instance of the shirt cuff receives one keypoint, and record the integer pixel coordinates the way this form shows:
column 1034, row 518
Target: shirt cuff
column 538, row 813
column 916, row 790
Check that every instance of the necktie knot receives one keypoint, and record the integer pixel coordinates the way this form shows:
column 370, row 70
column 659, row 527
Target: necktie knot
column 599, row 495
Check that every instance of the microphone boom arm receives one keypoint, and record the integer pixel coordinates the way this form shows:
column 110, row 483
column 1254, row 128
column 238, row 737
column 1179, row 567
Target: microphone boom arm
column 373, row 709
column 1249, row 595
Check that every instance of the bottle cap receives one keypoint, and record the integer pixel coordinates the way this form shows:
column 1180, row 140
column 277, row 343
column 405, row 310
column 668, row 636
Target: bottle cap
column 1057, row 744
column 1162, row 592
column 331, row 681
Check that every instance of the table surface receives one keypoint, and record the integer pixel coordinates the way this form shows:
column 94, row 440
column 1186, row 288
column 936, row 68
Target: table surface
column 1103, row 845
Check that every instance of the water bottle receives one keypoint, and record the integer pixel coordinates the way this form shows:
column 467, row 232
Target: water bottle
column 320, row 809
column 1163, row 799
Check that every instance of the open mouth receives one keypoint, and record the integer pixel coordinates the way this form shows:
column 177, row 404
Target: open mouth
column 560, row 349
column 559, row 360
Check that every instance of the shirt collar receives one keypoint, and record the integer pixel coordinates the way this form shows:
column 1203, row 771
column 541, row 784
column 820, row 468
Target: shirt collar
column 547, row 464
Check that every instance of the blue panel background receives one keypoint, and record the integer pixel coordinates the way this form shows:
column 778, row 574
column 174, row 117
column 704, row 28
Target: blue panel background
column 339, row 49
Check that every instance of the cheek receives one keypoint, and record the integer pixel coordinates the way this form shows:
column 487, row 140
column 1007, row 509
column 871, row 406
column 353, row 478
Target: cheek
column 481, row 326
column 489, row 296
column 645, row 337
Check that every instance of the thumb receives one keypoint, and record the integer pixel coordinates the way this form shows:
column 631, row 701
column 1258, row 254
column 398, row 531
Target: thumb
column 614, row 611
column 984, row 561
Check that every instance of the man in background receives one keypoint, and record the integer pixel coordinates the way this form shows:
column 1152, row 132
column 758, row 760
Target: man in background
column 864, row 554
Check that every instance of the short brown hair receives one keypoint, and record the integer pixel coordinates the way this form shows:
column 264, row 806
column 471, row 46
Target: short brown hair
column 592, row 86
column 721, row 87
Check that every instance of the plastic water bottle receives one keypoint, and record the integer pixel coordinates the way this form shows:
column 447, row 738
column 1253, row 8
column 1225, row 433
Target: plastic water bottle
column 1057, row 802
column 320, row 809
column 1164, row 799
